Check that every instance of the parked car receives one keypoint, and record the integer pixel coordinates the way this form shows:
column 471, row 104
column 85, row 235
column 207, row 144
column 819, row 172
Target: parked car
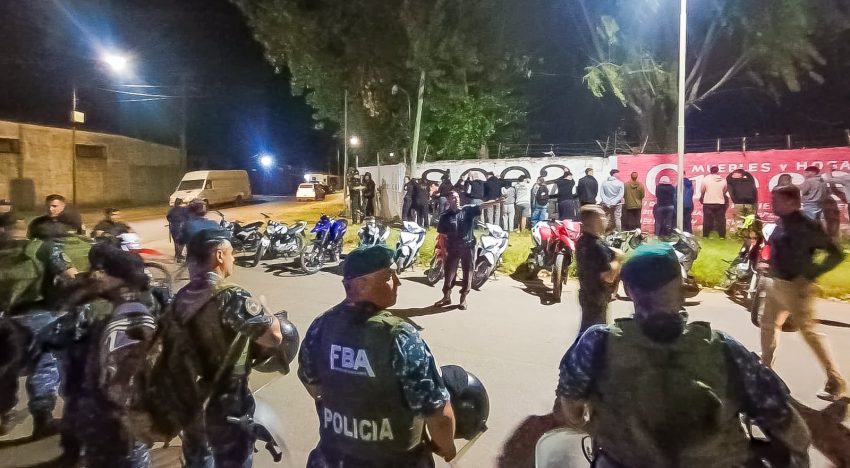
column 214, row 187
column 310, row 192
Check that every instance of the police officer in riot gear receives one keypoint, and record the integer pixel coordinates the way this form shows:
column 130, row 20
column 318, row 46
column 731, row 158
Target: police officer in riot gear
column 219, row 317
column 374, row 380
column 662, row 392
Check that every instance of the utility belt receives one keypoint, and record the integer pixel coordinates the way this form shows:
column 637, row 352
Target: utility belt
column 418, row 457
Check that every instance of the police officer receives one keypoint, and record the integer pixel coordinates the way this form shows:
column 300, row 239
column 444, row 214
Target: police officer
column 111, row 224
column 221, row 317
column 40, row 366
column 374, row 380
column 355, row 193
column 196, row 220
column 101, row 365
column 663, row 392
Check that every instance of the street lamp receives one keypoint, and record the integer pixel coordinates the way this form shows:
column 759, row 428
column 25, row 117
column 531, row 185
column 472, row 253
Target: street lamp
column 266, row 160
column 118, row 63
column 395, row 90
column 354, row 141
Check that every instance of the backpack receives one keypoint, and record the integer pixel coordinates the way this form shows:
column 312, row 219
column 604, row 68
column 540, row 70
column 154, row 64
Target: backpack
column 541, row 197
column 77, row 248
column 173, row 395
column 122, row 352
column 21, row 273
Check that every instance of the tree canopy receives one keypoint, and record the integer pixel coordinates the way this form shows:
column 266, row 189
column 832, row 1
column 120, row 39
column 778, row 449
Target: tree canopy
column 474, row 67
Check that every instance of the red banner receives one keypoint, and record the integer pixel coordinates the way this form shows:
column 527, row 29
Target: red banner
column 765, row 166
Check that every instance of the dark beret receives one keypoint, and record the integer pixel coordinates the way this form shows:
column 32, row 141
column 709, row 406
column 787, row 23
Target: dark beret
column 366, row 260
column 651, row 266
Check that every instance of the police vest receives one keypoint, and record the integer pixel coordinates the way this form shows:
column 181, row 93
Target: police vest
column 362, row 412
column 667, row 404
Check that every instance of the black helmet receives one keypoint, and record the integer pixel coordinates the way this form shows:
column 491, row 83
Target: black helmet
column 278, row 359
column 469, row 401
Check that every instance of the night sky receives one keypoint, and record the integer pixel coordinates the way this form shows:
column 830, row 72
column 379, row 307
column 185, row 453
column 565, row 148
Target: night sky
column 238, row 107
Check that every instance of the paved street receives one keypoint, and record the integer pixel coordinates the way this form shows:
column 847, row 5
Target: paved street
column 508, row 338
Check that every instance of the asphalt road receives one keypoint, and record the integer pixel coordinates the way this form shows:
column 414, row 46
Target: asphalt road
column 509, row 337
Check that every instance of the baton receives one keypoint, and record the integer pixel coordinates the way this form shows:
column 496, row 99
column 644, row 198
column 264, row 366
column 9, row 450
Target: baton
column 464, row 449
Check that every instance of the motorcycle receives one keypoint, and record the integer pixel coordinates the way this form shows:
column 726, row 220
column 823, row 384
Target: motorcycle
column 687, row 249
column 625, row 240
column 436, row 270
column 326, row 246
column 741, row 277
column 156, row 271
column 373, row 233
column 281, row 240
column 553, row 245
column 490, row 249
column 410, row 240
column 245, row 238
column 760, row 282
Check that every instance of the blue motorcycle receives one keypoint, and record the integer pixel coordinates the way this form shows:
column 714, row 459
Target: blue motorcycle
column 326, row 245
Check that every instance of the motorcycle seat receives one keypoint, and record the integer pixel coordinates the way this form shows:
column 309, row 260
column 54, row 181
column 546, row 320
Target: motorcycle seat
column 252, row 226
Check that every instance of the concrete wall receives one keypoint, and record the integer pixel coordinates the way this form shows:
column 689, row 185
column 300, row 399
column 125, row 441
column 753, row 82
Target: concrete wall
column 119, row 169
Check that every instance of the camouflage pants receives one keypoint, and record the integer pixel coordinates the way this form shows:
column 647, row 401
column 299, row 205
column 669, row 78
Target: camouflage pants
column 220, row 443
column 42, row 370
column 93, row 433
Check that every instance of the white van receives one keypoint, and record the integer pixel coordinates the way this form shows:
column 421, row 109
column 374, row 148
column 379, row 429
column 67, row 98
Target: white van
column 216, row 187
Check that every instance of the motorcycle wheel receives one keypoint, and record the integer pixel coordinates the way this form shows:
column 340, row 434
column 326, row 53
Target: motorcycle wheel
column 299, row 245
column 480, row 274
column 159, row 276
column 400, row 263
column 311, row 259
column 690, row 288
column 558, row 277
column 258, row 255
column 532, row 267
column 435, row 270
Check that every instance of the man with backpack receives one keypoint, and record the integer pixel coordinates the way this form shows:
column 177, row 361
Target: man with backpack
column 539, row 202
column 104, row 337
column 228, row 329
column 34, row 275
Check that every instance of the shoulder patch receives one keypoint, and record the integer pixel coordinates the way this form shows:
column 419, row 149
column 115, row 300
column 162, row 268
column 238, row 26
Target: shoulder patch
column 253, row 307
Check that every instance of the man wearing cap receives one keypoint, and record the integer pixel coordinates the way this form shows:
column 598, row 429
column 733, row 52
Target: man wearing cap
column 375, row 382
column 655, row 390
column 217, row 315
column 613, row 191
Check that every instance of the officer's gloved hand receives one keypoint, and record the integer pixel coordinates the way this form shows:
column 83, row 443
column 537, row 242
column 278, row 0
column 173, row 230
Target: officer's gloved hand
column 256, row 326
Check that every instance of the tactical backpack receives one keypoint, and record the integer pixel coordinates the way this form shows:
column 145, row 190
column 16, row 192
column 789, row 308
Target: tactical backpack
column 76, row 248
column 21, row 273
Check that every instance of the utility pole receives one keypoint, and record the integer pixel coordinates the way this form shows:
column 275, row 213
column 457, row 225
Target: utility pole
column 683, row 48
column 183, row 122
column 414, row 150
column 346, row 200
column 74, row 146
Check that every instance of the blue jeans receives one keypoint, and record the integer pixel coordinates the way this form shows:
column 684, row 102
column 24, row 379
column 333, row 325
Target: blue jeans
column 539, row 213
column 812, row 211
column 43, row 368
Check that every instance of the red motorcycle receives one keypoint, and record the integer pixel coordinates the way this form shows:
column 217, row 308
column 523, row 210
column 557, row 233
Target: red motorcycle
column 554, row 244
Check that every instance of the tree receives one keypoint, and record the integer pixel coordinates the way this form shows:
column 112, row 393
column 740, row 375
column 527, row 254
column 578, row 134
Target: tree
column 765, row 44
column 473, row 71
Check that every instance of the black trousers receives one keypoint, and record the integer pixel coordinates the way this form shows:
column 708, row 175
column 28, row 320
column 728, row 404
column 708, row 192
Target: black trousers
column 714, row 219
column 459, row 255
column 665, row 219
column 567, row 209
column 321, row 457
column 405, row 209
column 594, row 307
column 421, row 212
column 369, row 208
column 631, row 219
column 687, row 222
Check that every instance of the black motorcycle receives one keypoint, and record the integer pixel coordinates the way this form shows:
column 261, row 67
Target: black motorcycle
column 245, row 238
column 281, row 240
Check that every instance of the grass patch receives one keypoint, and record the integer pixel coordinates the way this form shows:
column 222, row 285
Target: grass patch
column 708, row 268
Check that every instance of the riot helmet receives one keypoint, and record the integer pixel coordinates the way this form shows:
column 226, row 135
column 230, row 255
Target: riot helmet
column 278, row 359
column 469, row 399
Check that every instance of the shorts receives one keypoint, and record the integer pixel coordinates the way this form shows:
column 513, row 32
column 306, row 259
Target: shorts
column 524, row 211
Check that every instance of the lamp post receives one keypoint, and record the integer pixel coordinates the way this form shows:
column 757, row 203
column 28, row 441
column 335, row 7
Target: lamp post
column 354, row 142
column 680, row 166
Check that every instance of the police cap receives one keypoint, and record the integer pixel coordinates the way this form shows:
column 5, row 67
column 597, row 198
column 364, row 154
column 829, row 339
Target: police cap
column 651, row 266
column 366, row 260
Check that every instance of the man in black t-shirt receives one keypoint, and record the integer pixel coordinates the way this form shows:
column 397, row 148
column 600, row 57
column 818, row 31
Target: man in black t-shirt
column 598, row 268
column 457, row 224
column 111, row 224
column 57, row 222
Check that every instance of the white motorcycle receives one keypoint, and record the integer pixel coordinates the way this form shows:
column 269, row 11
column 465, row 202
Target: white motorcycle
column 687, row 250
column 373, row 233
column 410, row 240
column 490, row 249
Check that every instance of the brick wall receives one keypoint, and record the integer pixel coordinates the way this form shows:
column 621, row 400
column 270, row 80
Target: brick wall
column 110, row 168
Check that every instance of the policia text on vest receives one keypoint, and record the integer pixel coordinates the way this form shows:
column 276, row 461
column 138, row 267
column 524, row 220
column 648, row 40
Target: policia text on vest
column 360, row 429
